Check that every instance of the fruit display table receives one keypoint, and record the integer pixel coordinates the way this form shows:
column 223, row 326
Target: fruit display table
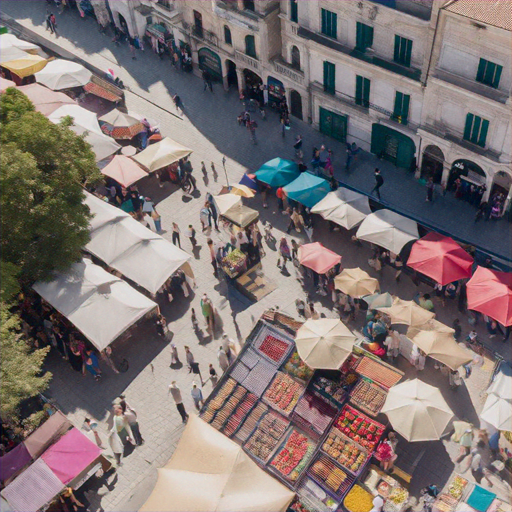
column 368, row 396
column 283, row 393
column 396, row 495
column 379, row 372
column 314, row 413
column 297, row 368
column 358, row 500
column 345, row 451
column 234, row 264
column 331, row 477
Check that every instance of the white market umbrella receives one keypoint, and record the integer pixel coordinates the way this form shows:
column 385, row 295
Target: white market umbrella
column 430, row 325
column 10, row 41
column 356, row 282
column 61, row 74
column 45, row 100
column 11, row 53
column 224, row 202
column 417, row 411
column 379, row 300
column 502, row 384
column 161, row 154
column 498, row 412
column 343, row 207
column 407, row 312
column 388, row 229
column 324, row 343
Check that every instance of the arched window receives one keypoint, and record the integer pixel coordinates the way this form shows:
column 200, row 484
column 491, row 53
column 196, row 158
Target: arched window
column 227, row 36
column 250, row 46
column 295, row 58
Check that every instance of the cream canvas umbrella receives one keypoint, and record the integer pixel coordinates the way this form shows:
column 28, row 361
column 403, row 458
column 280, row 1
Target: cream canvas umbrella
column 407, row 312
column 356, row 282
column 63, row 74
column 224, row 202
column 442, row 347
column 498, row 412
column 430, row 325
column 388, row 229
column 208, row 472
column 161, row 154
column 324, row 343
column 417, row 411
column 343, row 207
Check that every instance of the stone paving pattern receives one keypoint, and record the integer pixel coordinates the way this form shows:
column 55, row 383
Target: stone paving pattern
column 210, row 129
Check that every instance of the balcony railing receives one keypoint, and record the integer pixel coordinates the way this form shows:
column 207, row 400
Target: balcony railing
column 205, row 35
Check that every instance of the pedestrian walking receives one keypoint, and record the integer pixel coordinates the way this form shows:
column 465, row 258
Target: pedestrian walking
column 160, row 324
column 175, row 359
column 284, row 253
column 207, row 81
column 430, row 190
column 280, row 198
column 131, row 416
column 178, row 104
column 251, row 126
column 91, row 364
column 131, row 43
column 49, row 24
column 379, row 181
column 214, row 173
column 191, row 235
column 213, row 256
column 213, row 375
column 386, row 452
column 223, row 359
column 203, row 169
column 197, row 396
column 228, row 345
column 418, row 358
column 176, row 234
column 178, row 400
column 213, row 214
column 189, row 357
column 283, row 127
column 297, row 146
column 208, row 312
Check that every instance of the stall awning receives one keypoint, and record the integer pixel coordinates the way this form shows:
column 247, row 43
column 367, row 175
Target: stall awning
column 26, row 66
column 56, row 425
column 241, row 215
column 104, row 89
column 97, row 303
column 14, row 461
column 307, row 189
column 161, row 154
column 158, row 31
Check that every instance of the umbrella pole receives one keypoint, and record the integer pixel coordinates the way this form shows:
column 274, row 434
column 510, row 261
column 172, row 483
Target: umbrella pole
column 225, row 172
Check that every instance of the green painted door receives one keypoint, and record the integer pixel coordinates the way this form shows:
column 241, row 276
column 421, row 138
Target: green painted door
column 333, row 125
column 393, row 146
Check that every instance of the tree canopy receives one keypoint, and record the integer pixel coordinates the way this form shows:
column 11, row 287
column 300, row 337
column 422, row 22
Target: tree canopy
column 43, row 166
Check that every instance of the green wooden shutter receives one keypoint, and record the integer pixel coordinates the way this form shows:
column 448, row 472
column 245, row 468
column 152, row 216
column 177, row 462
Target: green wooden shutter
column 497, row 76
column 359, row 89
column 294, row 11
column 334, row 25
column 329, row 77
column 469, row 125
column 359, row 36
column 250, row 46
column 475, row 130
column 369, row 36
column 396, row 55
column 481, row 70
column 490, row 69
column 483, row 132
column 366, row 92
column 405, row 108
column 324, row 21
column 397, row 111
column 408, row 52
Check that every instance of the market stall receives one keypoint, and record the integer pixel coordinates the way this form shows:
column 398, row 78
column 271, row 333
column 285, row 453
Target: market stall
column 45, row 100
column 62, row 74
column 124, row 170
column 277, row 172
column 307, row 189
column 161, row 154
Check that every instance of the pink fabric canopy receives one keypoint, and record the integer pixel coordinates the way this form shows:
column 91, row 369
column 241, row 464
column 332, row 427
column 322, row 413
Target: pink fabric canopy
column 69, row 456
column 441, row 258
column 317, row 257
column 124, row 170
column 14, row 461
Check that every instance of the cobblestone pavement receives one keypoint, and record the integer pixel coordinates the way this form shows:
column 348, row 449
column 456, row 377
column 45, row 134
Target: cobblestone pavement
column 210, row 129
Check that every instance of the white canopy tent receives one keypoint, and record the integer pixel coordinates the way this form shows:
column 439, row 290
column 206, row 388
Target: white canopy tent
column 224, row 202
column 97, row 303
column 86, row 122
column 343, row 207
column 130, row 248
column 388, row 229
column 161, row 154
column 61, row 74
column 11, row 41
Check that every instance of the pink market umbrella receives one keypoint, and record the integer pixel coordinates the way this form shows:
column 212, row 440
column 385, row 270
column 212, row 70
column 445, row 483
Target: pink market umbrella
column 124, row 170
column 317, row 257
column 441, row 258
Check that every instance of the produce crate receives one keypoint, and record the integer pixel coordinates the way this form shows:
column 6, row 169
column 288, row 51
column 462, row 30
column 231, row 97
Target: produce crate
column 273, row 345
column 314, row 497
column 445, row 503
column 292, row 457
column 346, row 452
column 283, row 393
column 297, row 368
column 381, row 373
column 368, row 396
column 251, row 422
column 240, row 413
column 314, row 413
column 358, row 500
column 359, row 427
column 266, row 436
column 232, row 402
column 397, row 499
column 329, row 389
column 215, row 403
column 457, row 487
column 333, row 479
column 234, row 263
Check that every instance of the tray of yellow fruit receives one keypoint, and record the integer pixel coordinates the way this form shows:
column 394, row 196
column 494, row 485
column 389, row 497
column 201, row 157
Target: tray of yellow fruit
column 396, row 500
column 358, row 500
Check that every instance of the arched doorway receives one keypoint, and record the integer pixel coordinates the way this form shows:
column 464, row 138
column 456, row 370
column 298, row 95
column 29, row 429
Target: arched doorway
column 470, row 172
column 252, row 85
column 210, row 61
column 231, row 74
column 501, row 184
column 432, row 163
column 295, row 60
column 123, row 24
column 393, row 146
column 295, row 104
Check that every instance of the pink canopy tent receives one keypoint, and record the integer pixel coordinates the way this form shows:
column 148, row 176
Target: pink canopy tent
column 441, row 258
column 70, row 455
column 317, row 257
column 13, row 462
column 124, row 170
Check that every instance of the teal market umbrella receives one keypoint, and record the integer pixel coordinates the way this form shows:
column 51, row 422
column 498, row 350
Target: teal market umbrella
column 379, row 300
column 307, row 189
column 277, row 172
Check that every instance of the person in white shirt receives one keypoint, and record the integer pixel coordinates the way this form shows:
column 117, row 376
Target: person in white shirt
column 178, row 400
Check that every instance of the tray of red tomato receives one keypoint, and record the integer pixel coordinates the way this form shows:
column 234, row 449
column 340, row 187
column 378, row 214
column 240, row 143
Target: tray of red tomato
column 292, row 457
column 359, row 427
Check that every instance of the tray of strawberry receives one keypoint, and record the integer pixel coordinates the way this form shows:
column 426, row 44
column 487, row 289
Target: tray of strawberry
column 267, row 435
column 359, row 427
column 283, row 393
column 273, row 348
column 314, row 411
column 240, row 413
column 345, row 451
column 368, row 396
column 293, row 456
column 330, row 476
column 297, row 368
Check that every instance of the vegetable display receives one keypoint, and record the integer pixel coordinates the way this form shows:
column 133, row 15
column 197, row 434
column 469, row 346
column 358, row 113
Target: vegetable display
column 266, row 437
column 251, row 421
column 327, row 473
column 297, row 368
column 343, row 450
column 368, row 396
column 229, row 406
column 358, row 500
column 456, row 488
column 240, row 413
column 234, row 262
column 315, row 412
column 378, row 372
column 359, row 427
column 283, row 393
column 293, row 457
column 273, row 348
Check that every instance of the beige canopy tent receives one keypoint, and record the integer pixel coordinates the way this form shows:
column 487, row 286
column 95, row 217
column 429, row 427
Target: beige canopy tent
column 407, row 312
column 161, row 154
column 324, row 343
column 209, row 472
column 241, row 215
column 224, row 202
column 124, row 170
column 431, row 325
column 356, row 282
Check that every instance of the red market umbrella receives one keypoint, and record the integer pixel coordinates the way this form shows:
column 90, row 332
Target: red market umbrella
column 317, row 257
column 490, row 293
column 440, row 258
